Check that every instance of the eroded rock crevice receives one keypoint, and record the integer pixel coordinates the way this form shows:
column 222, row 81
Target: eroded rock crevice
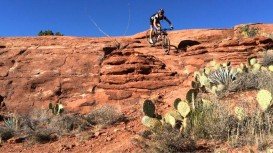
column 187, row 43
column 136, row 71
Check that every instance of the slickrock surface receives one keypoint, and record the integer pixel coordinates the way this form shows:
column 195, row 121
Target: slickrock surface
column 79, row 72
column 85, row 73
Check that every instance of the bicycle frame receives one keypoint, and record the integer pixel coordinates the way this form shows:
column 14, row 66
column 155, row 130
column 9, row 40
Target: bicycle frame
column 161, row 37
column 161, row 32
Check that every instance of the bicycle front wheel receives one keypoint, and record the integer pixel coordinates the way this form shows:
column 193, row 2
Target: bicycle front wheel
column 166, row 44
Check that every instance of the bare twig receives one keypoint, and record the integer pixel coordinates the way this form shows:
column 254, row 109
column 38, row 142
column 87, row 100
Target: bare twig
column 96, row 25
column 129, row 19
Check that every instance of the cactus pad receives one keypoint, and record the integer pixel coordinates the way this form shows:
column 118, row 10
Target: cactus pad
column 191, row 95
column 270, row 68
column 183, row 108
column 175, row 114
column 149, row 108
column 252, row 61
column 175, row 103
column 151, row 122
column 170, row 120
column 264, row 98
column 240, row 113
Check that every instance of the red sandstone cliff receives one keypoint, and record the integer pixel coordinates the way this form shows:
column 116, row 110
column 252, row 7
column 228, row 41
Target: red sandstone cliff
column 81, row 72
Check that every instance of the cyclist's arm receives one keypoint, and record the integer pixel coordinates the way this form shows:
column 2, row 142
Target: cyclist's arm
column 166, row 19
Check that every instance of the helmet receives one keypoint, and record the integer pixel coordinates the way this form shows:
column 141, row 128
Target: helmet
column 161, row 11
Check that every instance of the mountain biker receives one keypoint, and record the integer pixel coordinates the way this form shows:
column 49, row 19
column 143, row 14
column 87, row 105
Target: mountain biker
column 155, row 22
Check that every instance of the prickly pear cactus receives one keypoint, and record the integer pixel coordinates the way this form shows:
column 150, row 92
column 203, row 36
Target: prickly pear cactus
column 270, row 68
column 175, row 114
column 220, row 87
column 207, row 70
column 57, row 109
column 227, row 64
column 264, row 99
column 195, row 84
column 149, row 108
column 176, row 102
column 252, row 61
column 151, row 122
column 191, row 95
column 183, row 108
column 240, row 113
column 204, row 80
column 256, row 68
column 244, row 67
column 169, row 119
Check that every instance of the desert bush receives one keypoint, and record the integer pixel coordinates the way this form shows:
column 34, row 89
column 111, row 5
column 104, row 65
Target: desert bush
column 253, row 130
column 68, row 123
column 167, row 140
column 267, row 59
column 245, row 81
column 6, row 133
column 210, row 123
column 266, row 81
column 45, row 125
column 105, row 115
column 36, row 119
column 248, row 31
column 42, row 135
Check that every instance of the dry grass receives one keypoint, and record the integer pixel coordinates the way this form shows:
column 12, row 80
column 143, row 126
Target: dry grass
column 268, row 58
column 106, row 115
column 42, row 136
column 244, row 81
column 167, row 140
column 209, row 123
column 68, row 123
column 41, row 126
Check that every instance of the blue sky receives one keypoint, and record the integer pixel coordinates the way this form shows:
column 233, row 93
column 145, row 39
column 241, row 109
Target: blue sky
column 119, row 17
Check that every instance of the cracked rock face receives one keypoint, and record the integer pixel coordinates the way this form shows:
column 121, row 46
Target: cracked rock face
column 83, row 72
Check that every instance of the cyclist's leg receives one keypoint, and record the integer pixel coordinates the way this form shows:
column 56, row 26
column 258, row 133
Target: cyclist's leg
column 151, row 31
column 159, row 26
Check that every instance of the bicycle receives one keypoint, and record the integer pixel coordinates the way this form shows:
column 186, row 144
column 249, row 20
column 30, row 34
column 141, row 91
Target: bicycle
column 160, row 36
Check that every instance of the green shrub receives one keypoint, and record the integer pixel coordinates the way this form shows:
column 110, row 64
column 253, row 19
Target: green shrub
column 58, row 34
column 49, row 33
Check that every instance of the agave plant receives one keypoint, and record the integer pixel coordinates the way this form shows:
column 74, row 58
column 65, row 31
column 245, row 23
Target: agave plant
column 223, row 75
column 12, row 122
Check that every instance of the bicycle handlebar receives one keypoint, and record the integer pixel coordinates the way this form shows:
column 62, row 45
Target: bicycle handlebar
column 166, row 29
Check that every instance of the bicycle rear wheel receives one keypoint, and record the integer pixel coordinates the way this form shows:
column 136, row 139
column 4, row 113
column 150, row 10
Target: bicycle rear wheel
column 154, row 37
column 166, row 44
